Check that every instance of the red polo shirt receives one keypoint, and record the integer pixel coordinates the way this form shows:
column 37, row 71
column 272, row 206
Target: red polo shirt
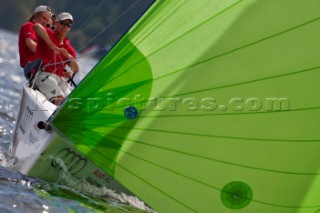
column 26, row 31
column 54, row 63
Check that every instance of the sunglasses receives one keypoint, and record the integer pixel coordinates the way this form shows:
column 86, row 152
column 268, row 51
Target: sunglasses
column 63, row 23
column 51, row 26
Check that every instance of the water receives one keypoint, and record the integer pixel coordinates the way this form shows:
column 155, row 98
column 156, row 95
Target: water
column 20, row 193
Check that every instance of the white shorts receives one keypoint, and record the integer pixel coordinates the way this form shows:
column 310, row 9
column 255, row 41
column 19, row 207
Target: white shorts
column 52, row 85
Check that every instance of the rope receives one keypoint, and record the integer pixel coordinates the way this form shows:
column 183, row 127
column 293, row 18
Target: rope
column 89, row 17
column 109, row 25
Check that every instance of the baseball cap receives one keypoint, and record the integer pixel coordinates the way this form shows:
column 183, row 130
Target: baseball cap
column 42, row 8
column 64, row 16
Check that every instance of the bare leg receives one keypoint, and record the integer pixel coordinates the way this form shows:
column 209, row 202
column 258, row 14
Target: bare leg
column 56, row 100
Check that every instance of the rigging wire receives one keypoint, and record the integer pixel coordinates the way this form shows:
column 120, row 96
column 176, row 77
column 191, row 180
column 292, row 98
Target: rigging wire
column 109, row 25
column 88, row 18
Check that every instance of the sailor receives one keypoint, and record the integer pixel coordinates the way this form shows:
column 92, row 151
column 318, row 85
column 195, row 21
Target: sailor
column 27, row 36
column 57, row 53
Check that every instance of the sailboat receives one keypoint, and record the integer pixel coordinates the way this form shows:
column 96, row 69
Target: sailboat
column 207, row 106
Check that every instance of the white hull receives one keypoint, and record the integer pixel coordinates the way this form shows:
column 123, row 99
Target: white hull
column 38, row 149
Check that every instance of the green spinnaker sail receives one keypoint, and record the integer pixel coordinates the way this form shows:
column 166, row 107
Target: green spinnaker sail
column 208, row 106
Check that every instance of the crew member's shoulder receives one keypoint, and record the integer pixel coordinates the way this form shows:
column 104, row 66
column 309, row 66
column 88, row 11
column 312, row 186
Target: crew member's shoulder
column 27, row 24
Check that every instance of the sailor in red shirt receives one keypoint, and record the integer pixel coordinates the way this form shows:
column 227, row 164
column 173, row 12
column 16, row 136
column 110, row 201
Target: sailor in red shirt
column 27, row 36
column 57, row 53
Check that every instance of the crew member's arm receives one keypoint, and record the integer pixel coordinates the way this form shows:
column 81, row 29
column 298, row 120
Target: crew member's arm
column 42, row 33
column 73, row 62
column 31, row 44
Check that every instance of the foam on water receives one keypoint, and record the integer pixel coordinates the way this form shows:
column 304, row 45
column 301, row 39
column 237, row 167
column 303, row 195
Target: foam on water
column 84, row 186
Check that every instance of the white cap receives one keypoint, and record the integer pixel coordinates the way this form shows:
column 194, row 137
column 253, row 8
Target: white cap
column 42, row 8
column 65, row 16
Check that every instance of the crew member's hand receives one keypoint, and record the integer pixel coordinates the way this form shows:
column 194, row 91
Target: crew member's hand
column 67, row 75
column 55, row 49
column 64, row 52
